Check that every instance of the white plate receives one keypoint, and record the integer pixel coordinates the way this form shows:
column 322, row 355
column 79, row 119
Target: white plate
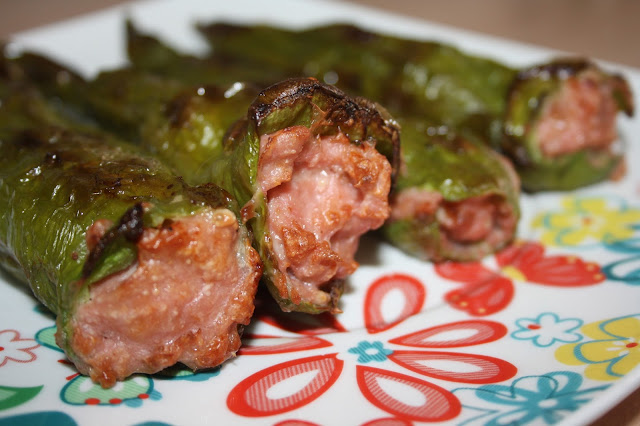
column 554, row 340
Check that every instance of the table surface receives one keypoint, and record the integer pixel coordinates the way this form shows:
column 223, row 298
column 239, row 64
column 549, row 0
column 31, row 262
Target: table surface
column 603, row 29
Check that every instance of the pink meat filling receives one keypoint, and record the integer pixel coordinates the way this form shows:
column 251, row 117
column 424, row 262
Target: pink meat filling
column 581, row 116
column 323, row 194
column 193, row 284
column 487, row 220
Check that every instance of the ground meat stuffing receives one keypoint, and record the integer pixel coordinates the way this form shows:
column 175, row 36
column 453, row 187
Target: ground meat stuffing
column 468, row 229
column 323, row 194
column 193, row 284
column 582, row 115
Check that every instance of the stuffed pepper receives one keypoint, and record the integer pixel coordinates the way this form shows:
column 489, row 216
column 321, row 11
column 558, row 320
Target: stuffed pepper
column 560, row 124
column 357, row 61
column 141, row 270
column 148, row 53
column 556, row 121
column 310, row 167
column 455, row 199
column 313, row 169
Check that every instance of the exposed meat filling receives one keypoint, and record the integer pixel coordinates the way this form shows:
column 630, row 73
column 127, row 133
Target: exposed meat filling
column 323, row 194
column 468, row 227
column 486, row 219
column 582, row 115
column 193, row 284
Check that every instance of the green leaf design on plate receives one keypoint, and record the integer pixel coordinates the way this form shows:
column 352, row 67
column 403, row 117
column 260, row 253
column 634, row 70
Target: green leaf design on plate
column 132, row 391
column 47, row 337
column 12, row 397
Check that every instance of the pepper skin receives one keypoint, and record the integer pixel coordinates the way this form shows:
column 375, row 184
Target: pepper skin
column 225, row 136
column 324, row 112
column 581, row 100
column 87, row 220
column 436, row 180
column 499, row 104
column 455, row 199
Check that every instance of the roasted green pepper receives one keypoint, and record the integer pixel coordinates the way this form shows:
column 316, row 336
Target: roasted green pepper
column 455, row 199
column 313, row 169
column 149, row 54
column 480, row 200
column 504, row 106
column 359, row 62
column 300, row 142
column 560, row 122
column 407, row 76
column 141, row 270
column 184, row 125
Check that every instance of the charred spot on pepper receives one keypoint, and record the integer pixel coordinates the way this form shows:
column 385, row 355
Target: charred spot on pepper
column 177, row 111
column 281, row 95
column 209, row 193
column 131, row 224
column 130, row 227
column 30, row 139
column 167, row 224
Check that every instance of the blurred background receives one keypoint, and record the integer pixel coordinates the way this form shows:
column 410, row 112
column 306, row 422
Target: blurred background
column 603, row 29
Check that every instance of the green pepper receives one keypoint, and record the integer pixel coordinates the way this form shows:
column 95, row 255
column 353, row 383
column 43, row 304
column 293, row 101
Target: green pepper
column 302, row 103
column 490, row 186
column 573, row 94
column 500, row 104
column 407, row 76
column 455, row 199
column 147, row 53
column 326, row 112
column 360, row 62
column 88, row 221
column 206, row 135
column 183, row 125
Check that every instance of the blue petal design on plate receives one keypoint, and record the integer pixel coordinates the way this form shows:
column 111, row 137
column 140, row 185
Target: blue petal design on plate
column 625, row 270
column 545, row 398
column 368, row 351
column 547, row 329
column 631, row 245
column 43, row 418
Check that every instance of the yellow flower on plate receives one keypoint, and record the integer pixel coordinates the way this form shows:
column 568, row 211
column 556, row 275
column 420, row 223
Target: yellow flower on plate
column 587, row 220
column 613, row 352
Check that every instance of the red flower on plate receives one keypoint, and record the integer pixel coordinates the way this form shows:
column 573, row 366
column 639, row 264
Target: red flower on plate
column 487, row 291
column 268, row 392
column 265, row 345
column 412, row 397
column 411, row 291
column 13, row 348
column 437, row 403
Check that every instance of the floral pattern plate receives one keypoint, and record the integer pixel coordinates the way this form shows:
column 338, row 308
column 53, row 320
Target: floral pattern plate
column 546, row 331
